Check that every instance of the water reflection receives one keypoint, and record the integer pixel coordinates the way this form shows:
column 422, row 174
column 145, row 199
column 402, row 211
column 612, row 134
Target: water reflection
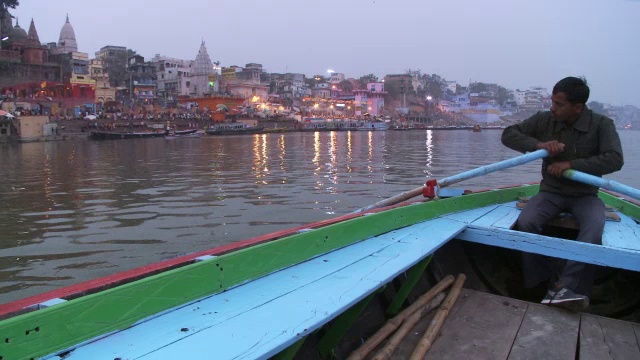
column 77, row 210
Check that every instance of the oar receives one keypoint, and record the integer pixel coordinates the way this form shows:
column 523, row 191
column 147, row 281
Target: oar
column 576, row 175
column 483, row 170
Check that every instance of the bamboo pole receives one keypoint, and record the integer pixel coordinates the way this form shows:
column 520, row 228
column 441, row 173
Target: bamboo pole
column 427, row 339
column 395, row 322
column 386, row 352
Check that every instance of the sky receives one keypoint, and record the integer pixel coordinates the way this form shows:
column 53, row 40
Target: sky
column 514, row 43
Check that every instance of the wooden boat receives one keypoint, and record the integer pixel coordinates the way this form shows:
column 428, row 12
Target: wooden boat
column 112, row 135
column 373, row 126
column 233, row 129
column 184, row 134
column 302, row 291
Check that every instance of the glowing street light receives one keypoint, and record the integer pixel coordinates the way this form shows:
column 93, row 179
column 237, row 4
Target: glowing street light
column 429, row 98
column 5, row 38
column 330, row 72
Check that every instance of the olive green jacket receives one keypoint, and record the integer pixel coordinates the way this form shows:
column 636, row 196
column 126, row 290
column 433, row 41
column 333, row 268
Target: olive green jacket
column 592, row 145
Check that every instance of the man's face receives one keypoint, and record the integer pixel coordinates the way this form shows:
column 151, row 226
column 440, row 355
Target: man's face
column 563, row 110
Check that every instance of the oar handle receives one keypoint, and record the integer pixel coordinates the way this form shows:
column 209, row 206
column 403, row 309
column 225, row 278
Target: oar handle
column 576, row 175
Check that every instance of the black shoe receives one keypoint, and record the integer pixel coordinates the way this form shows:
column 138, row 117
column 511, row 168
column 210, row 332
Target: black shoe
column 565, row 297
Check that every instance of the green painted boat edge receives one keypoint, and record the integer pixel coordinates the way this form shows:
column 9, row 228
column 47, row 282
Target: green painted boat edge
column 624, row 206
column 54, row 329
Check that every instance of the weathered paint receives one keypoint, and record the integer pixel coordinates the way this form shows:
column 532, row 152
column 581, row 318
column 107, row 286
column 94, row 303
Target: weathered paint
column 602, row 183
column 62, row 326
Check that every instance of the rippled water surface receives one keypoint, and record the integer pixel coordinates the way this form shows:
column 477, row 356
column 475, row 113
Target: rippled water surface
column 76, row 210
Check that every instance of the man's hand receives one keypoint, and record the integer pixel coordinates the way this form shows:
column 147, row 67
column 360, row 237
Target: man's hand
column 557, row 168
column 553, row 147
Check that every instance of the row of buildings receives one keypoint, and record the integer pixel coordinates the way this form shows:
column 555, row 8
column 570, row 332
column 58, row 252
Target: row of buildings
column 56, row 79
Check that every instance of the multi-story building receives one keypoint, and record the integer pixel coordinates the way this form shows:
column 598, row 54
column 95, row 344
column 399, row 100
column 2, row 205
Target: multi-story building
column 336, row 78
column 142, row 78
column 289, row 85
column 169, row 72
column 245, row 82
column 104, row 91
column 48, row 80
column 371, row 100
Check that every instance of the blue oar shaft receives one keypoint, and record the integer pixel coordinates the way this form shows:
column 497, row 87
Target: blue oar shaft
column 614, row 186
column 518, row 160
column 505, row 164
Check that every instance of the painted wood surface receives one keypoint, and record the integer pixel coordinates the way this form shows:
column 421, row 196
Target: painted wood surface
column 484, row 326
column 78, row 320
column 82, row 319
column 624, row 234
column 603, row 338
column 263, row 317
column 546, row 333
column 545, row 245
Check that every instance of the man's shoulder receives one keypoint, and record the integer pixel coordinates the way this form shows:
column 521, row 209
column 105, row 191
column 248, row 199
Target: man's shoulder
column 601, row 117
column 539, row 116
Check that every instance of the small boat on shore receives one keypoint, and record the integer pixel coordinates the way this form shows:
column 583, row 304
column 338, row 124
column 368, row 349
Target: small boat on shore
column 185, row 134
column 233, row 129
column 112, row 135
column 323, row 287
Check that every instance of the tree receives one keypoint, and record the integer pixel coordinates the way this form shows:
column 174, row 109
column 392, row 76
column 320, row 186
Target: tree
column 596, row 107
column 346, row 86
column 311, row 82
column 434, row 84
column 364, row 80
column 393, row 89
column 6, row 4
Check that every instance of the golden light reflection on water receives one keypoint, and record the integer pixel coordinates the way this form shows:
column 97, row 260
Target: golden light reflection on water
column 349, row 152
column 283, row 152
column 429, row 156
column 260, row 158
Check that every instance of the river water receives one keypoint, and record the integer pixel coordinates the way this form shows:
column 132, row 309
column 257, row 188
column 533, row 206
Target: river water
column 76, row 210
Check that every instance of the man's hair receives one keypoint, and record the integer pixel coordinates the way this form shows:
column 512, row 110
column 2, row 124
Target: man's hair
column 575, row 89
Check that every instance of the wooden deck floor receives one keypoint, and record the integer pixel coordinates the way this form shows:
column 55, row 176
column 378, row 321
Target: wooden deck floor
column 485, row 326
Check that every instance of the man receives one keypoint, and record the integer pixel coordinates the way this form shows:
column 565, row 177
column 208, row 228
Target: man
column 576, row 138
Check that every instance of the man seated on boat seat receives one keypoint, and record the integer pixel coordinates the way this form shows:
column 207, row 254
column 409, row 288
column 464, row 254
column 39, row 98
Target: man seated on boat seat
column 576, row 138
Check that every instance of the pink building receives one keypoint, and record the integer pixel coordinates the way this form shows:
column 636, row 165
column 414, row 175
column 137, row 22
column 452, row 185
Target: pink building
column 371, row 100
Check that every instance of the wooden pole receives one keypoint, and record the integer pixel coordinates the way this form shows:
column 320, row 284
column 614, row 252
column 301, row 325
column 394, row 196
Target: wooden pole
column 386, row 352
column 395, row 322
column 427, row 339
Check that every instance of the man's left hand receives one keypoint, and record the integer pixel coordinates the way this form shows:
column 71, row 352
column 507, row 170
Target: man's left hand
column 557, row 168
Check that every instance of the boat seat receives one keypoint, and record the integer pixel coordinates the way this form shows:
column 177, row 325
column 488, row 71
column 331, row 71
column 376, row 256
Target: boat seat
column 566, row 220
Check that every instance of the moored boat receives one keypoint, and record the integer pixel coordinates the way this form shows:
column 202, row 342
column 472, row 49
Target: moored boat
column 373, row 126
column 112, row 135
column 186, row 134
column 233, row 129
column 264, row 296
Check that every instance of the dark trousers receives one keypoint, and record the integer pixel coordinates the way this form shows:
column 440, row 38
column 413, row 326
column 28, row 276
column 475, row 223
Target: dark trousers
column 588, row 212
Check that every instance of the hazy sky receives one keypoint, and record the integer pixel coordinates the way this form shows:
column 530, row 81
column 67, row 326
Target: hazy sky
column 514, row 43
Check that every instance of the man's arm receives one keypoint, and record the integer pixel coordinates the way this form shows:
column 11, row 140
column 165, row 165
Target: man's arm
column 609, row 159
column 521, row 136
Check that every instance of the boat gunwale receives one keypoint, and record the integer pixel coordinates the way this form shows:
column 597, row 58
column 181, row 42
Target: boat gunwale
column 400, row 216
